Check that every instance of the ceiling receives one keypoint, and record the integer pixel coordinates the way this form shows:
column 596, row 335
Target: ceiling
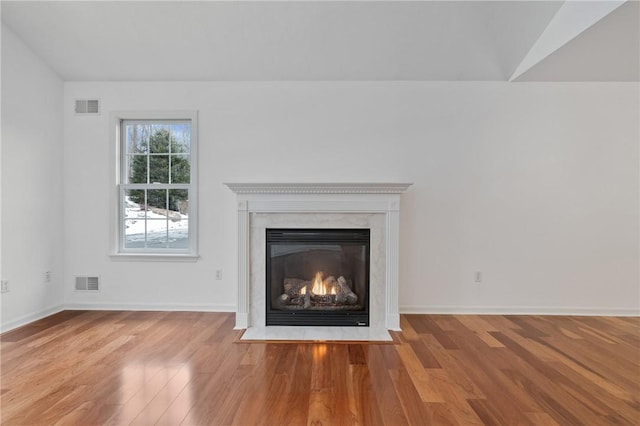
column 323, row 40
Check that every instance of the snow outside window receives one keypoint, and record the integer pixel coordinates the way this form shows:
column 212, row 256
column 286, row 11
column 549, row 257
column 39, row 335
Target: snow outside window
column 157, row 187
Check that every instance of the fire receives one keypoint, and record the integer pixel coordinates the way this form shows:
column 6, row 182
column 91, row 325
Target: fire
column 303, row 291
column 320, row 287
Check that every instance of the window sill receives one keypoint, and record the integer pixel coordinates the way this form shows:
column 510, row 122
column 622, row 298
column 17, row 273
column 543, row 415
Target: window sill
column 154, row 257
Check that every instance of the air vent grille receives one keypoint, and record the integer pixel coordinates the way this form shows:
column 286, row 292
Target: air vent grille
column 87, row 106
column 87, row 283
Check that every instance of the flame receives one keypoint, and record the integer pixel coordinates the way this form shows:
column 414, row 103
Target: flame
column 303, row 291
column 318, row 286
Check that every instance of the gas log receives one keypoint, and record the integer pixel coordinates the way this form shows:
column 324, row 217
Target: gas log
column 329, row 293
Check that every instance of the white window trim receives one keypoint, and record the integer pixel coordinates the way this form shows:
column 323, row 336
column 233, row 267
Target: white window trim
column 115, row 119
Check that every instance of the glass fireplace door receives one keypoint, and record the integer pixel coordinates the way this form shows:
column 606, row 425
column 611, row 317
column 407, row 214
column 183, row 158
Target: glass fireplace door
column 317, row 277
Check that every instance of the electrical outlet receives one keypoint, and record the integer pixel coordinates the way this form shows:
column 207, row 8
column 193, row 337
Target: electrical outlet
column 218, row 274
column 4, row 287
column 478, row 276
column 47, row 276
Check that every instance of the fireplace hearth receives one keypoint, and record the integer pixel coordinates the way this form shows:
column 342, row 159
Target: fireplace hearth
column 317, row 277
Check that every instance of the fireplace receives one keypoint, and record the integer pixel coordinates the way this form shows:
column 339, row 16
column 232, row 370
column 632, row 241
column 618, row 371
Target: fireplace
column 372, row 206
column 317, row 277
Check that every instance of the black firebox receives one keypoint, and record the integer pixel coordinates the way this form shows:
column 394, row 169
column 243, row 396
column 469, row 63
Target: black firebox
column 317, row 277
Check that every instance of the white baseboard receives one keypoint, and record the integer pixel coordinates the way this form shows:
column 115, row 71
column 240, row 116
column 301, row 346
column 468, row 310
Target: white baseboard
column 29, row 318
column 520, row 310
column 148, row 307
column 406, row 309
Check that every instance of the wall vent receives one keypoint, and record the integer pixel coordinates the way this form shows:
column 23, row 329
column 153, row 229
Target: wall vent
column 87, row 283
column 87, row 107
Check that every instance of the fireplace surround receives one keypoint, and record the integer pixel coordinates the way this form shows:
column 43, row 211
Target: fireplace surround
column 373, row 206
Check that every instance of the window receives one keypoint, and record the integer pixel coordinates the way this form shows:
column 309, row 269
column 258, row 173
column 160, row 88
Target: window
column 157, row 185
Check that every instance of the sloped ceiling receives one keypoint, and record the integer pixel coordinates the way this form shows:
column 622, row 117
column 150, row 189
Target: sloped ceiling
column 318, row 40
column 606, row 51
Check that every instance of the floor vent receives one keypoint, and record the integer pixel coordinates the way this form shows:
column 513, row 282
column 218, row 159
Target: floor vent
column 87, row 107
column 85, row 283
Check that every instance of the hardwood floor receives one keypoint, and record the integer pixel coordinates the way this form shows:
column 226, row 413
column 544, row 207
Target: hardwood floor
column 170, row 368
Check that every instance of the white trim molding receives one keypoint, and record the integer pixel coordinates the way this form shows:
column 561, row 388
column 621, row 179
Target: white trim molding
column 319, row 198
column 520, row 310
column 186, row 307
column 116, row 250
column 29, row 318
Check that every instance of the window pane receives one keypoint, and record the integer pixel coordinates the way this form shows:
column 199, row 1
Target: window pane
column 137, row 138
column 134, row 204
column 179, row 233
column 134, row 233
column 156, row 199
column 157, row 233
column 178, row 218
column 137, row 165
column 179, row 202
column 180, row 169
column 159, row 140
column 181, row 138
column 159, row 169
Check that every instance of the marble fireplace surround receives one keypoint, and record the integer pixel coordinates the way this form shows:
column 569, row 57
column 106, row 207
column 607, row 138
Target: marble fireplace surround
column 318, row 205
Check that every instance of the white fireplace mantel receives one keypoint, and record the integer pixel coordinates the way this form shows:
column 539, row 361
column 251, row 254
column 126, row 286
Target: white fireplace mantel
column 320, row 198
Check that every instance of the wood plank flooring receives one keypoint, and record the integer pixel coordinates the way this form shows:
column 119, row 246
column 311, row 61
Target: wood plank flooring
column 185, row 368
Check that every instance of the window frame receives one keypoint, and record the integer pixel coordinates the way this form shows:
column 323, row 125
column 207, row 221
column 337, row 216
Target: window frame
column 118, row 250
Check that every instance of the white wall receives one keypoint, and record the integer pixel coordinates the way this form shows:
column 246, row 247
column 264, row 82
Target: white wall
column 32, row 142
column 534, row 184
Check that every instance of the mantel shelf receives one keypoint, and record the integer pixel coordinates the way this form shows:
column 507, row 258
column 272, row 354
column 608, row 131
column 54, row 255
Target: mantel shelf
column 318, row 188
